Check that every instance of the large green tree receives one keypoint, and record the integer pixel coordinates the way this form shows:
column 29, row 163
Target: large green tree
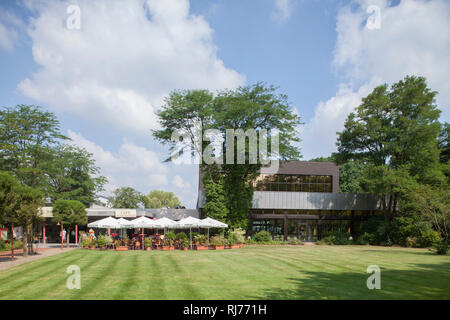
column 157, row 199
column 394, row 129
column 69, row 213
column 257, row 107
column 127, row 197
column 27, row 136
column 31, row 148
column 72, row 175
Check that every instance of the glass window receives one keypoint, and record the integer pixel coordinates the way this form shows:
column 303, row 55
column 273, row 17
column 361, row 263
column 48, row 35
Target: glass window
column 312, row 187
column 305, row 187
column 328, row 187
column 327, row 179
column 313, row 179
column 320, row 188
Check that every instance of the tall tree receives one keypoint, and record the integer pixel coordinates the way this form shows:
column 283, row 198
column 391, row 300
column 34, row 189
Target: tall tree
column 257, row 107
column 27, row 134
column 395, row 129
column 72, row 175
column 26, row 212
column 70, row 213
column 157, row 199
column 127, row 197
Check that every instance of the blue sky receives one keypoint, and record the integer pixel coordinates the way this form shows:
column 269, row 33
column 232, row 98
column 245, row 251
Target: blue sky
column 106, row 79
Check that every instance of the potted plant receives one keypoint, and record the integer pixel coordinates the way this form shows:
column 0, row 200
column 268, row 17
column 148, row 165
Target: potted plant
column 200, row 242
column 218, row 243
column 92, row 244
column 101, row 242
column 185, row 244
column 85, row 243
column 122, row 245
column 148, row 244
column 167, row 244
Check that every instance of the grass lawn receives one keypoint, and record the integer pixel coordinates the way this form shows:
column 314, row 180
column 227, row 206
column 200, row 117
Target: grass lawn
column 302, row 272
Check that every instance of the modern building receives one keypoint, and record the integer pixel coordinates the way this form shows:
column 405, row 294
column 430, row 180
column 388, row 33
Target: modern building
column 302, row 200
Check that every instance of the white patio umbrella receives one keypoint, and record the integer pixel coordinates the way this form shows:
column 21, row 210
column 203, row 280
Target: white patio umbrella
column 106, row 223
column 125, row 224
column 164, row 223
column 213, row 223
column 142, row 222
column 191, row 222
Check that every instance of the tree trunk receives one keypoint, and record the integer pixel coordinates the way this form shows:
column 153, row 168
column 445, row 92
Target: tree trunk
column 25, row 241
column 68, row 238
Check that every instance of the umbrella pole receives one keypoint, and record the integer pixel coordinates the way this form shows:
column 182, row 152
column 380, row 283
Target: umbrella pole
column 208, row 236
column 190, row 236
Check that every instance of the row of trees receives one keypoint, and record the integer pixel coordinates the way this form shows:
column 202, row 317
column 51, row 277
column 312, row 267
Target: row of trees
column 38, row 167
column 127, row 197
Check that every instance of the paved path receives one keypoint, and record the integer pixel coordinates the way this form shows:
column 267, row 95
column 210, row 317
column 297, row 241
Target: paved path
column 5, row 256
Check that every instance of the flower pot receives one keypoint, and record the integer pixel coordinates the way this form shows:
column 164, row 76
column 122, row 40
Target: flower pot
column 200, row 247
column 121, row 248
column 91, row 248
column 220, row 247
column 86, row 247
column 185, row 248
column 148, row 249
column 235, row 246
column 168, row 248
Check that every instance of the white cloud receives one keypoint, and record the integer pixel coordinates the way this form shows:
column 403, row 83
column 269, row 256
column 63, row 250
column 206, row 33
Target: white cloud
column 413, row 39
column 132, row 165
column 178, row 182
column 283, row 10
column 124, row 59
column 9, row 25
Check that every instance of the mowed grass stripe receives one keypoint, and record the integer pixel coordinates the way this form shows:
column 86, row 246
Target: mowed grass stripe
column 320, row 272
column 35, row 276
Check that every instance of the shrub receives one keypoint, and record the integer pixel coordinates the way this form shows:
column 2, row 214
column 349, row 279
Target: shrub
column 429, row 238
column 336, row 238
column 101, row 241
column 237, row 235
column 366, row 238
column 411, row 242
column 200, row 239
column 218, row 241
column 442, row 247
column 170, row 235
column 147, row 242
column 262, row 236
column 294, row 241
column 2, row 244
column 182, row 235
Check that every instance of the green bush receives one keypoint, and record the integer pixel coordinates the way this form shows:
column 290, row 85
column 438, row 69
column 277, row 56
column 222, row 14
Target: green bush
column 101, row 241
column 442, row 247
column 217, row 241
column 237, row 235
column 428, row 238
column 170, row 235
column 181, row 235
column 295, row 242
column 411, row 242
column 262, row 236
column 336, row 238
column 366, row 238
column 2, row 244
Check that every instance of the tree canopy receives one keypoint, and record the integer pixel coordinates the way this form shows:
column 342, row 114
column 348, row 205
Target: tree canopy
column 157, row 199
column 258, row 107
column 127, row 197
